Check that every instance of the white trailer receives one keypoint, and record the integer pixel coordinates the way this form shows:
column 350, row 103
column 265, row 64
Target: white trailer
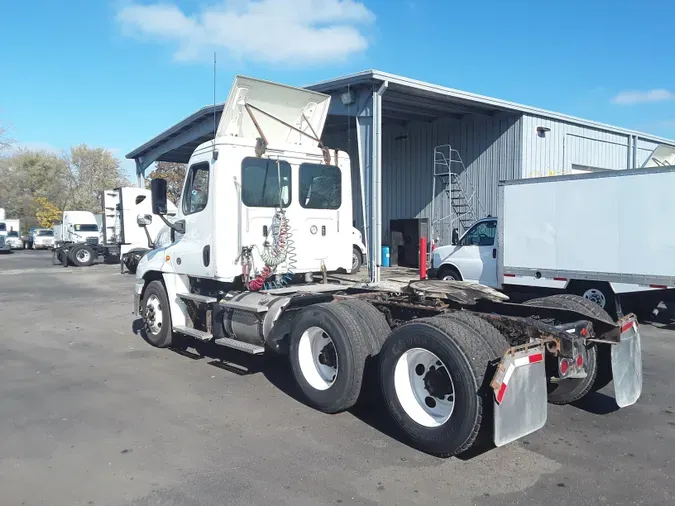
column 128, row 229
column 603, row 236
column 266, row 209
column 123, row 232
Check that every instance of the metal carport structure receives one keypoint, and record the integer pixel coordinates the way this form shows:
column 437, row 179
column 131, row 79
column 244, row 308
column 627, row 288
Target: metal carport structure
column 376, row 107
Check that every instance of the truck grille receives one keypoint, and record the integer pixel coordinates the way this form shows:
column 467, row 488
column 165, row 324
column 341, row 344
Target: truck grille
column 92, row 240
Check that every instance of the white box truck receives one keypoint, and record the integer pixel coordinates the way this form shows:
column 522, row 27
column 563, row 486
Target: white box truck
column 604, row 236
column 266, row 206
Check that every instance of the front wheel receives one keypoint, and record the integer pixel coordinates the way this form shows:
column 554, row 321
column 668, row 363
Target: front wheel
column 448, row 273
column 357, row 259
column 157, row 316
column 82, row 255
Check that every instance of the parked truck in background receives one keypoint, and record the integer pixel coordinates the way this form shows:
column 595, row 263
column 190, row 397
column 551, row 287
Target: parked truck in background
column 266, row 211
column 10, row 231
column 123, row 232
column 603, row 236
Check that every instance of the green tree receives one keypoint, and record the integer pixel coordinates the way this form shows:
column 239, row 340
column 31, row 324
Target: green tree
column 93, row 170
column 28, row 175
column 174, row 173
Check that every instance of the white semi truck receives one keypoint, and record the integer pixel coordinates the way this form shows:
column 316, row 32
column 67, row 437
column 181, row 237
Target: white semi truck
column 123, row 232
column 266, row 208
column 602, row 236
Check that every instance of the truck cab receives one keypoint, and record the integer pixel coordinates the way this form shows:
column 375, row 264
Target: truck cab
column 264, row 201
column 472, row 258
column 78, row 227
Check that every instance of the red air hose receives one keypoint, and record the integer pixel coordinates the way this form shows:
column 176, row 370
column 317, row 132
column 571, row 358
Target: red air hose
column 279, row 247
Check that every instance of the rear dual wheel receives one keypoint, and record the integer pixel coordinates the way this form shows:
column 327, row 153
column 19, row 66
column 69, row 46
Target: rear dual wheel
column 597, row 360
column 332, row 351
column 434, row 374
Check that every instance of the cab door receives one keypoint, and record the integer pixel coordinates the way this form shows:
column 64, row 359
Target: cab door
column 191, row 254
column 476, row 253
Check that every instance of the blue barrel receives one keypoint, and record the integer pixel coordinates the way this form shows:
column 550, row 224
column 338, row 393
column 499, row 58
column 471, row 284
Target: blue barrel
column 385, row 256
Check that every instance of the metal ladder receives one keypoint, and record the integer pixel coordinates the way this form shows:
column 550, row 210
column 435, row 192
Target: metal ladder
column 464, row 202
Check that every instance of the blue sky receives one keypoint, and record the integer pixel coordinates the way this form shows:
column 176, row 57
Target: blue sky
column 115, row 73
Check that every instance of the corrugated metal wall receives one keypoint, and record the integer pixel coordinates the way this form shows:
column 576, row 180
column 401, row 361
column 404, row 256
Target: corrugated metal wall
column 493, row 149
column 566, row 144
column 490, row 149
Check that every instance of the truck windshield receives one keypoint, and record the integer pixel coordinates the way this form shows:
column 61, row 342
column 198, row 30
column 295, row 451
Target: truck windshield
column 13, row 234
column 3, row 227
column 86, row 228
column 46, row 233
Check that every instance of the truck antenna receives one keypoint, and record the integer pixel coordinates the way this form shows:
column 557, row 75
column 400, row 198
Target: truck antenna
column 214, row 101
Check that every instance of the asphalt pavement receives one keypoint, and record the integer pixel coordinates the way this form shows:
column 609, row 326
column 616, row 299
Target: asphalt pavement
column 90, row 415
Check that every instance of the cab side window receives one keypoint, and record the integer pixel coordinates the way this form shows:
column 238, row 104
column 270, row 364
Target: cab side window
column 196, row 193
column 481, row 234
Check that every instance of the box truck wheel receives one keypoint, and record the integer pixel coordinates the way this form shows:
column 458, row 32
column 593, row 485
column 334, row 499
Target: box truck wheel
column 596, row 363
column 432, row 372
column 82, row 255
column 599, row 293
column 156, row 313
column 329, row 346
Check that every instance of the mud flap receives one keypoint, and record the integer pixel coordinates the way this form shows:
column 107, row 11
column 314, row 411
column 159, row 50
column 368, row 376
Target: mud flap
column 520, row 400
column 627, row 365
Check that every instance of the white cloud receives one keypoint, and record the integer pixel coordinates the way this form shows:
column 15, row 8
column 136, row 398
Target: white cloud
column 297, row 32
column 638, row 97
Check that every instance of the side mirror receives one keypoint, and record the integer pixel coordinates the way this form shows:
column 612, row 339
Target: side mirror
column 158, row 192
column 144, row 219
column 455, row 237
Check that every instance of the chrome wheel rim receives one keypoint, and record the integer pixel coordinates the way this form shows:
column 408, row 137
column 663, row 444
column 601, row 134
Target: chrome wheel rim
column 318, row 358
column 153, row 314
column 424, row 387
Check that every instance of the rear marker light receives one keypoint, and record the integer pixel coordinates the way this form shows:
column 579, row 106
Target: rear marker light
column 584, row 332
column 509, row 275
column 564, row 367
column 559, row 279
column 580, row 361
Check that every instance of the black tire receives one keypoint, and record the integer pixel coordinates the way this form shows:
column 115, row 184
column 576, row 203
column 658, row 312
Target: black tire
column 372, row 319
column 357, row 260
column 584, row 289
column 351, row 345
column 449, row 272
column 82, row 255
column 163, row 338
column 494, row 339
column 378, row 330
column 466, row 358
column 597, row 369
